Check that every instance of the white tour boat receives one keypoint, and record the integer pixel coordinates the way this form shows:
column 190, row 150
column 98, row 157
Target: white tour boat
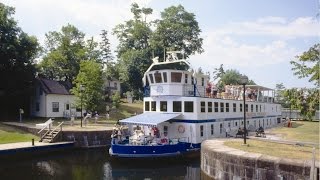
column 180, row 112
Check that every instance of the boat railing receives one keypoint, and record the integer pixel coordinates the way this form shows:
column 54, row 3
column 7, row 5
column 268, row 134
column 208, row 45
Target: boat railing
column 146, row 140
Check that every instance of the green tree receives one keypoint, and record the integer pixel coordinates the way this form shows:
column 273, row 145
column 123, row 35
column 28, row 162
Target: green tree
column 279, row 93
column 17, row 70
column 177, row 30
column 105, row 47
column 307, row 65
column 218, row 72
column 90, row 77
column 64, row 51
column 231, row 77
column 116, row 100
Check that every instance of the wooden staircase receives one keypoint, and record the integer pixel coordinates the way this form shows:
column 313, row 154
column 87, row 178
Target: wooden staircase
column 50, row 135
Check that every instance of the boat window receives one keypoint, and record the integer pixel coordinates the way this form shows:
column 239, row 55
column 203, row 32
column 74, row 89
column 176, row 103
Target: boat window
column 202, row 81
column 146, row 106
column 176, row 106
column 188, row 106
column 176, row 77
column 186, row 78
column 153, row 105
column 216, row 107
column 163, row 106
column 262, row 122
column 251, row 107
column 164, row 76
column 203, row 106
column 192, row 80
column 221, row 128
column 212, row 129
column 227, row 107
column 151, row 78
column 260, row 108
column 157, row 77
column 247, row 123
column 241, row 122
column 256, row 108
column 236, row 124
column 221, row 107
column 246, row 108
column 229, row 124
column 240, row 107
column 201, row 130
column 165, row 130
column 234, row 107
column 209, row 106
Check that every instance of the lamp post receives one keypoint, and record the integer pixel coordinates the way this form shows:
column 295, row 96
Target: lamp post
column 243, row 81
column 81, row 89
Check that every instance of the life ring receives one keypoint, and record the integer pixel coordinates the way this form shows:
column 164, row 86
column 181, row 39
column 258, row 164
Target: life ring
column 181, row 129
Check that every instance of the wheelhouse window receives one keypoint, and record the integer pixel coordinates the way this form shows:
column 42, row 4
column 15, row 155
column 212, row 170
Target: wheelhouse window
column 163, row 106
column 55, row 106
column 188, row 106
column 203, row 106
column 227, row 107
column 212, row 129
column 176, row 77
column 176, row 106
column 216, row 107
column 209, row 106
column 234, row 107
column 201, row 130
column 151, row 78
column 147, row 106
column 157, row 77
column 153, row 105
column 186, row 78
column 164, row 77
column 221, row 107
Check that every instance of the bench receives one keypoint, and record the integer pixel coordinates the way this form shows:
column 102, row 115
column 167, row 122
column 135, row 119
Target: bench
column 48, row 124
column 241, row 133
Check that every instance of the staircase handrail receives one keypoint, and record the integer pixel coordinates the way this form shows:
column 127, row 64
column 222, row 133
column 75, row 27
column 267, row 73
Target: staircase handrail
column 58, row 127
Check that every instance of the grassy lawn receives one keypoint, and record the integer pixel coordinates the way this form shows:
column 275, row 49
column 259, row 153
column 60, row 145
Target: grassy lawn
column 11, row 135
column 301, row 131
column 275, row 149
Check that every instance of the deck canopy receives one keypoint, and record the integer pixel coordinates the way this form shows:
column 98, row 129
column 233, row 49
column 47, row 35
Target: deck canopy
column 149, row 118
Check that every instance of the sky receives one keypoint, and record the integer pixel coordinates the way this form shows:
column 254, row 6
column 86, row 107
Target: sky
column 258, row 38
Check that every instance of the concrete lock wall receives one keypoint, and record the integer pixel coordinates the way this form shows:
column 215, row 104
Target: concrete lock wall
column 221, row 162
column 87, row 138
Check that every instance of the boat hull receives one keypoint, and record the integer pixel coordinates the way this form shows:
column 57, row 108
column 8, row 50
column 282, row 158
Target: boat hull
column 151, row 151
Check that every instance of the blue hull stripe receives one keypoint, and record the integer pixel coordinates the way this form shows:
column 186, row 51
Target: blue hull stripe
column 215, row 120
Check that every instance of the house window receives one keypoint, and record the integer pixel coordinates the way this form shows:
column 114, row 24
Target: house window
column 240, row 107
column 37, row 106
column 176, row 106
column 147, row 106
column 251, row 107
column 153, row 105
column 234, row 107
column 176, row 77
column 116, row 85
column 157, row 77
column 209, row 106
column 201, row 130
column 203, row 106
column 247, row 107
column 212, row 129
column 188, row 106
column 151, row 78
column 216, row 107
column 257, row 108
column 227, row 107
column 55, row 106
column 202, row 81
column 186, row 78
column 67, row 107
column 221, row 107
column 164, row 76
column 163, row 106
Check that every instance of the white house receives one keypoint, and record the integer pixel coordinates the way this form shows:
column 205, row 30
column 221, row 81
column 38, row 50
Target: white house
column 53, row 99
column 112, row 86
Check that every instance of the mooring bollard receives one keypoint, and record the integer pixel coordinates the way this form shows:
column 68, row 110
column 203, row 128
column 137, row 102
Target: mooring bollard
column 32, row 142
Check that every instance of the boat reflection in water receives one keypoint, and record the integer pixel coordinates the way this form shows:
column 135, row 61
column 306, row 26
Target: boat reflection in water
column 95, row 164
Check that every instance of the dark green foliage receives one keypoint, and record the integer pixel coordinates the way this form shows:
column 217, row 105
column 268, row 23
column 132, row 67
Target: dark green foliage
column 17, row 71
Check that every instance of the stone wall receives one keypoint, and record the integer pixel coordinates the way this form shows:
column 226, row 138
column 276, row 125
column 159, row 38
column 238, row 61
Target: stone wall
column 221, row 162
column 88, row 138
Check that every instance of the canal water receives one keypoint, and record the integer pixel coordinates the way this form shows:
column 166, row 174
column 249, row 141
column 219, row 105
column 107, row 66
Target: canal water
column 96, row 164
